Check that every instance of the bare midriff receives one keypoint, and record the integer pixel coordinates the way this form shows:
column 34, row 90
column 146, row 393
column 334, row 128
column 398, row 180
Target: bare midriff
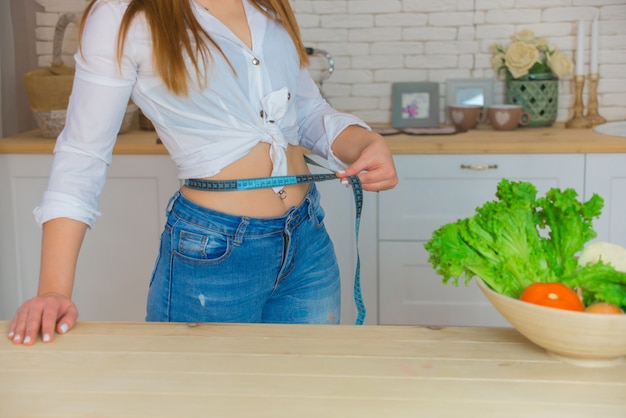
column 260, row 202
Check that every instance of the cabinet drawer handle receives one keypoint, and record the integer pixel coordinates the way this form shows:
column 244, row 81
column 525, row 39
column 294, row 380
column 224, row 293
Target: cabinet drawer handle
column 479, row 166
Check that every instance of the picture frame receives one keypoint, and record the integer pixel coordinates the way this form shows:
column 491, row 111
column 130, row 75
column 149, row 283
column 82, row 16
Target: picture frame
column 469, row 91
column 415, row 105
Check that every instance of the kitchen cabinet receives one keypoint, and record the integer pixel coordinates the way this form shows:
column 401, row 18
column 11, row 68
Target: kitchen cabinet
column 606, row 176
column 439, row 189
column 118, row 253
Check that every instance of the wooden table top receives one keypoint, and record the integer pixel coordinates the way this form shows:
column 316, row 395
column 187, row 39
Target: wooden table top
column 484, row 140
column 235, row 370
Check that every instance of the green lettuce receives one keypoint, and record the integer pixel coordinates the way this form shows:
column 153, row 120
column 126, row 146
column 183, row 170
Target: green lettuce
column 519, row 239
column 599, row 282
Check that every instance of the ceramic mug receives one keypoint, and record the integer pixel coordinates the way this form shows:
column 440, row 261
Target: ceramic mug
column 507, row 117
column 465, row 117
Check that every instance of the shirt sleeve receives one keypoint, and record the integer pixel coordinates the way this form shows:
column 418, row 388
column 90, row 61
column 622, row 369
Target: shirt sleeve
column 319, row 123
column 98, row 102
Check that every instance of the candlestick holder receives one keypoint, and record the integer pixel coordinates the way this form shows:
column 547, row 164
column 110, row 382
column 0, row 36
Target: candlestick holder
column 578, row 121
column 592, row 102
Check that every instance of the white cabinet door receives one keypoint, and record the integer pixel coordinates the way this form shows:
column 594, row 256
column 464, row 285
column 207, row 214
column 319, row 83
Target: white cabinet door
column 118, row 254
column 9, row 283
column 411, row 293
column 433, row 191
column 438, row 189
column 22, row 181
column 606, row 176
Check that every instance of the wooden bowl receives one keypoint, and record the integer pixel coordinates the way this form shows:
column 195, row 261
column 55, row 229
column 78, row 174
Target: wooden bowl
column 580, row 338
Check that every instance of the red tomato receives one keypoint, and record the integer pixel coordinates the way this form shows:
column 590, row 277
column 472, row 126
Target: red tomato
column 552, row 295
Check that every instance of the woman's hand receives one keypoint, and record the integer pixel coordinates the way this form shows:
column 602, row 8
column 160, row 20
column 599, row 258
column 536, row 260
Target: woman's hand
column 45, row 313
column 52, row 309
column 369, row 158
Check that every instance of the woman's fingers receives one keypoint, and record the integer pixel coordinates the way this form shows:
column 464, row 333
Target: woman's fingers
column 376, row 174
column 380, row 178
column 42, row 314
column 375, row 167
column 68, row 319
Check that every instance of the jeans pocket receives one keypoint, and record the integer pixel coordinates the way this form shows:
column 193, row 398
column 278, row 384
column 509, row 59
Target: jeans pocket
column 201, row 246
column 317, row 214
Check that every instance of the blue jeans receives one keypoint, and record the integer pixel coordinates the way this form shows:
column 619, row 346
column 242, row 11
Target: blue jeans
column 216, row 267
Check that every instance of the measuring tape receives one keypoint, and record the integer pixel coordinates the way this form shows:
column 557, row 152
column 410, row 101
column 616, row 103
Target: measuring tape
column 278, row 181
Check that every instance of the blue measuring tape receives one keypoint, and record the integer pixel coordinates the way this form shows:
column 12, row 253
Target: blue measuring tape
column 264, row 182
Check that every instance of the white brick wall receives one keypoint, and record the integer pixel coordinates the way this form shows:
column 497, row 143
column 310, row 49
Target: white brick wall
column 376, row 43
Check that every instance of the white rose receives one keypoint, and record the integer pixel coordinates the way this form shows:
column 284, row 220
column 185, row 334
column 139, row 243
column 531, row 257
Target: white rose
column 520, row 57
column 497, row 61
column 542, row 44
column 526, row 36
column 560, row 64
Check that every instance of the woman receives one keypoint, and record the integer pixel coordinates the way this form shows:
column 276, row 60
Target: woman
column 224, row 84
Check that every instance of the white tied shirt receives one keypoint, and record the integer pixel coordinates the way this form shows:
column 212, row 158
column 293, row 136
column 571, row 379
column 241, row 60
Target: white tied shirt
column 269, row 99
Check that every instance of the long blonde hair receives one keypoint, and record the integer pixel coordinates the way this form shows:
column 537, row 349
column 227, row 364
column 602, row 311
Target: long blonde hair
column 175, row 30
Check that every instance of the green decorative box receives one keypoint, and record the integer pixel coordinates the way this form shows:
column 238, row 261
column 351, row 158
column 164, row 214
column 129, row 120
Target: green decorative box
column 538, row 94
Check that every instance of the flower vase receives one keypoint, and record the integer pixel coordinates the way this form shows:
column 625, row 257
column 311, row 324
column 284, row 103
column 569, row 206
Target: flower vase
column 538, row 94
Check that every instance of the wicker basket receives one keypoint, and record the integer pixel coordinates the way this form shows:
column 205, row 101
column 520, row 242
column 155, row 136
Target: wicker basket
column 145, row 124
column 49, row 89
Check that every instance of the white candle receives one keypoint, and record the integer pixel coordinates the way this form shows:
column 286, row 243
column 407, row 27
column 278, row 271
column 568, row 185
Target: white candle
column 594, row 46
column 580, row 49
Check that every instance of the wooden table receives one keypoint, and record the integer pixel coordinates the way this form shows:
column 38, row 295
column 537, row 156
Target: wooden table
column 179, row 370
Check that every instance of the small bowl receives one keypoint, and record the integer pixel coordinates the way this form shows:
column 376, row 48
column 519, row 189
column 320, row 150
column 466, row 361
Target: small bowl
column 579, row 338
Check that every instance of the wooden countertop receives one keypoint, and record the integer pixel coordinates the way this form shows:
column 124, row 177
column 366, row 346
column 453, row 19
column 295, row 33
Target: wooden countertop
column 484, row 140
column 31, row 142
column 553, row 140
column 234, row 370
